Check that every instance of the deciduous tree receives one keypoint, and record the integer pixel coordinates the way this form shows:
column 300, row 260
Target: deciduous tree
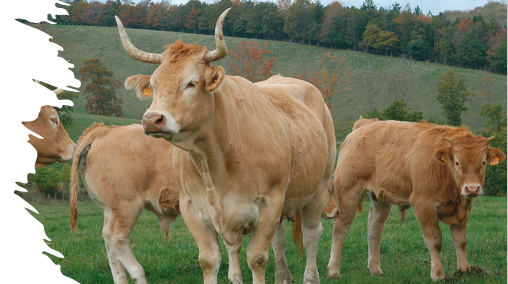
column 249, row 61
column 100, row 92
column 452, row 93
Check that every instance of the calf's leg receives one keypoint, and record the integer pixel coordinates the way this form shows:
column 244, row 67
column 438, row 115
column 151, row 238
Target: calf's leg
column 378, row 213
column 458, row 232
column 119, row 275
column 116, row 233
column 429, row 222
column 348, row 202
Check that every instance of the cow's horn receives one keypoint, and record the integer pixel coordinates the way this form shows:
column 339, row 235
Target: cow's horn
column 448, row 139
column 490, row 139
column 222, row 50
column 59, row 91
column 132, row 51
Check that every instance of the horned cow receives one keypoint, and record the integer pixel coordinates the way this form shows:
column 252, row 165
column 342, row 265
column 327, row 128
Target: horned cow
column 436, row 169
column 254, row 153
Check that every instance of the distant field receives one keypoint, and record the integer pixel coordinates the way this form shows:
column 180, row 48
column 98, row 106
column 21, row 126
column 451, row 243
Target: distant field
column 404, row 257
column 82, row 42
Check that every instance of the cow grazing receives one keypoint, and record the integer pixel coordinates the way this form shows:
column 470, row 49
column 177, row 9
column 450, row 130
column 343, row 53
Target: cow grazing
column 254, row 153
column 125, row 172
column 56, row 144
column 436, row 169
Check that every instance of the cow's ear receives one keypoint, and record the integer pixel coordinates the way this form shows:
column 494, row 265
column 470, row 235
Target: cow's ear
column 214, row 78
column 144, row 90
column 443, row 155
column 494, row 156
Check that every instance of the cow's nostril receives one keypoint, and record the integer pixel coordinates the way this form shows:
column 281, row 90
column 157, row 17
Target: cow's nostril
column 160, row 120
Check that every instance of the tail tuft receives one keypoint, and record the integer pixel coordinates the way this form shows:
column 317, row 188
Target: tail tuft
column 297, row 232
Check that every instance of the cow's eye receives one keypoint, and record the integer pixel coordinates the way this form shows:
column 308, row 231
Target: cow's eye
column 190, row 85
column 54, row 120
column 483, row 163
column 457, row 164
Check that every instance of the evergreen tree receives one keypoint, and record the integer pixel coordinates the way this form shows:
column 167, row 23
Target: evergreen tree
column 100, row 92
column 452, row 93
column 470, row 51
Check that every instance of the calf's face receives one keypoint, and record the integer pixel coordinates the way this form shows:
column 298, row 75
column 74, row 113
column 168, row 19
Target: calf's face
column 467, row 158
column 56, row 144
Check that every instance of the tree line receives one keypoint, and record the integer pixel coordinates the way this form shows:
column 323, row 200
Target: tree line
column 394, row 31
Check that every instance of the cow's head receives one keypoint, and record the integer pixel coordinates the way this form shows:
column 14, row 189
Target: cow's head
column 182, row 87
column 56, row 144
column 467, row 157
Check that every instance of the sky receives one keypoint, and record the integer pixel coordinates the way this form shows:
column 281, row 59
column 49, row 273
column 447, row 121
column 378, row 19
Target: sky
column 435, row 6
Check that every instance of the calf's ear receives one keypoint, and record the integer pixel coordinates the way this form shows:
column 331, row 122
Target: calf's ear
column 494, row 156
column 142, row 85
column 443, row 155
column 214, row 78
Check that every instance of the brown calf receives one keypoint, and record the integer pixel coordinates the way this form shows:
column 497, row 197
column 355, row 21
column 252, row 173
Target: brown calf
column 125, row 172
column 436, row 169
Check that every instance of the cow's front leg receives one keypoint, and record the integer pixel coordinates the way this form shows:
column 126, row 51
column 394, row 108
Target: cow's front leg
column 206, row 238
column 234, row 271
column 458, row 232
column 257, row 249
column 429, row 222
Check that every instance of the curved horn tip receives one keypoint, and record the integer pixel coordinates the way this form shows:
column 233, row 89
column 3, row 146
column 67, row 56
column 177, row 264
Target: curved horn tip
column 490, row 138
column 448, row 139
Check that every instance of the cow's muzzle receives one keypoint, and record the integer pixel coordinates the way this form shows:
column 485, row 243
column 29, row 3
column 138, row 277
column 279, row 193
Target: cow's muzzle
column 471, row 190
column 159, row 123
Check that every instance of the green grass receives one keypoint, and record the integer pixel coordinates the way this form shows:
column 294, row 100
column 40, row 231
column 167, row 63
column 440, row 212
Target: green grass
column 404, row 257
column 82, row 42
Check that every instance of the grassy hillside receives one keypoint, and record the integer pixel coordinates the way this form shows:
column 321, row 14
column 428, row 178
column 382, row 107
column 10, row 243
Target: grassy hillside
column 81, row 43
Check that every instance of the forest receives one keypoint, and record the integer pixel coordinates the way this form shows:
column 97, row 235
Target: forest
column 470, row 41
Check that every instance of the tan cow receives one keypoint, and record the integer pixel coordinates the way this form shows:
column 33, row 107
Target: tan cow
column 254, row 153
column 436, row 169
column 56, row 144
column 125, row 172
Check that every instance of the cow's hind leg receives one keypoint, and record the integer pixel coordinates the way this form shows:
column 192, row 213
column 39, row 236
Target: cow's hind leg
column 206, row 238
column 349, row 199
column 282, row 273
column 312, row 229
column 116, row 233
column 429, row 222
column 458, row 232
column 379, row 212
column 234, row 271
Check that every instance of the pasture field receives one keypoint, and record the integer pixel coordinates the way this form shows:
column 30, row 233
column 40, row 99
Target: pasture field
column 372, row 76
column 404, row 257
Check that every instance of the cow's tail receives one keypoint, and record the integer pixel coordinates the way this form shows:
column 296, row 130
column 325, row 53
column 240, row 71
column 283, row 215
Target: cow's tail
column 402, row 213
column 360, row 204
column 297, row 231
column 84, row 143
